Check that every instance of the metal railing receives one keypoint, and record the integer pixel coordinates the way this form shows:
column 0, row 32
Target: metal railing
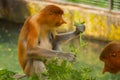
column 110, row 4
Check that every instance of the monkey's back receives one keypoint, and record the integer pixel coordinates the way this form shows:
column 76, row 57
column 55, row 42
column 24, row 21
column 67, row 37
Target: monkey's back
column 22, row 45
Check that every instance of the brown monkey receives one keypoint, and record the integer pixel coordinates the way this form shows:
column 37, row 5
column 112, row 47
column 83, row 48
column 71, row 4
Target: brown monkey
column 110, row 55
column 38, row 39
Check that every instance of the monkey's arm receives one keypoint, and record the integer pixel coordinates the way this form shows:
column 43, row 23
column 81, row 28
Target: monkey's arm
column 60, row 38
column 38, row 53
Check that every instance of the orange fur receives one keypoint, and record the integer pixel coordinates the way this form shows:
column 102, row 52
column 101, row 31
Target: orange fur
column 35, row 27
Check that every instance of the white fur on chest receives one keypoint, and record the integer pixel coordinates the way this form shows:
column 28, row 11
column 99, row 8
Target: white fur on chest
column 45, row 43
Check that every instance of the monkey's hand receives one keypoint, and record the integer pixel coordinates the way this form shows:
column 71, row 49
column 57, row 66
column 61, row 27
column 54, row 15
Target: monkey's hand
column 67, row 56
column 80, row 28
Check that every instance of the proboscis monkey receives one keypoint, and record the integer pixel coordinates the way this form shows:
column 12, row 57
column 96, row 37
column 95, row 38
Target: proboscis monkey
column 38, row 39
column 110, row 55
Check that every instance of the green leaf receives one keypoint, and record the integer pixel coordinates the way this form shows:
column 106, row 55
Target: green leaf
column 78, row 23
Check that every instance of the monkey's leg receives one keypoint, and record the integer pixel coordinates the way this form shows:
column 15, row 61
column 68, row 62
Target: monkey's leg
column 39, row 69
column 35, row 68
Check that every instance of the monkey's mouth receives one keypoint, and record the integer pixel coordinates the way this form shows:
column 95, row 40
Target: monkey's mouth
column 58, row 24
column 110, row 69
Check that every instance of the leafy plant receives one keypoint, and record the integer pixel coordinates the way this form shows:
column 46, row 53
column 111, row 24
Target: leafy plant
column 81, row 41
column 6, row 75
column 66, row 71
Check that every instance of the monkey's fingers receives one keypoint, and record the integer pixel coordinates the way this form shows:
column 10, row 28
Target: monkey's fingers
column 80, row 28
column 71, row 57
column 18, row 76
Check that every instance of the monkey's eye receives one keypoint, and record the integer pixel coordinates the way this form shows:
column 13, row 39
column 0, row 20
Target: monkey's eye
column 113, row 54
column 50, row 13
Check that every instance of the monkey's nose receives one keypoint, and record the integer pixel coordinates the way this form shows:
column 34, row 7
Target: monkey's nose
column 63, row 21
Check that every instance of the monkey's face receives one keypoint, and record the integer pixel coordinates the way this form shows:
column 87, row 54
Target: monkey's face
column 111, row 58
column 52, row 15
column 57, row 20
column 112, row 63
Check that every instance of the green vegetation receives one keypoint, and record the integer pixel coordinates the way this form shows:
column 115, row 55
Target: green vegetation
column 67, row 71
column 8, row 49
column 6, row 75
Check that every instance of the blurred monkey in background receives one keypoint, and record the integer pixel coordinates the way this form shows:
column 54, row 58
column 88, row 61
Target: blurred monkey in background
column 110, row 55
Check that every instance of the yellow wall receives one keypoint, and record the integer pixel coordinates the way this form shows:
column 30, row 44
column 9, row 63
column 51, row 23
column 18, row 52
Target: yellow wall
column 103, row 26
